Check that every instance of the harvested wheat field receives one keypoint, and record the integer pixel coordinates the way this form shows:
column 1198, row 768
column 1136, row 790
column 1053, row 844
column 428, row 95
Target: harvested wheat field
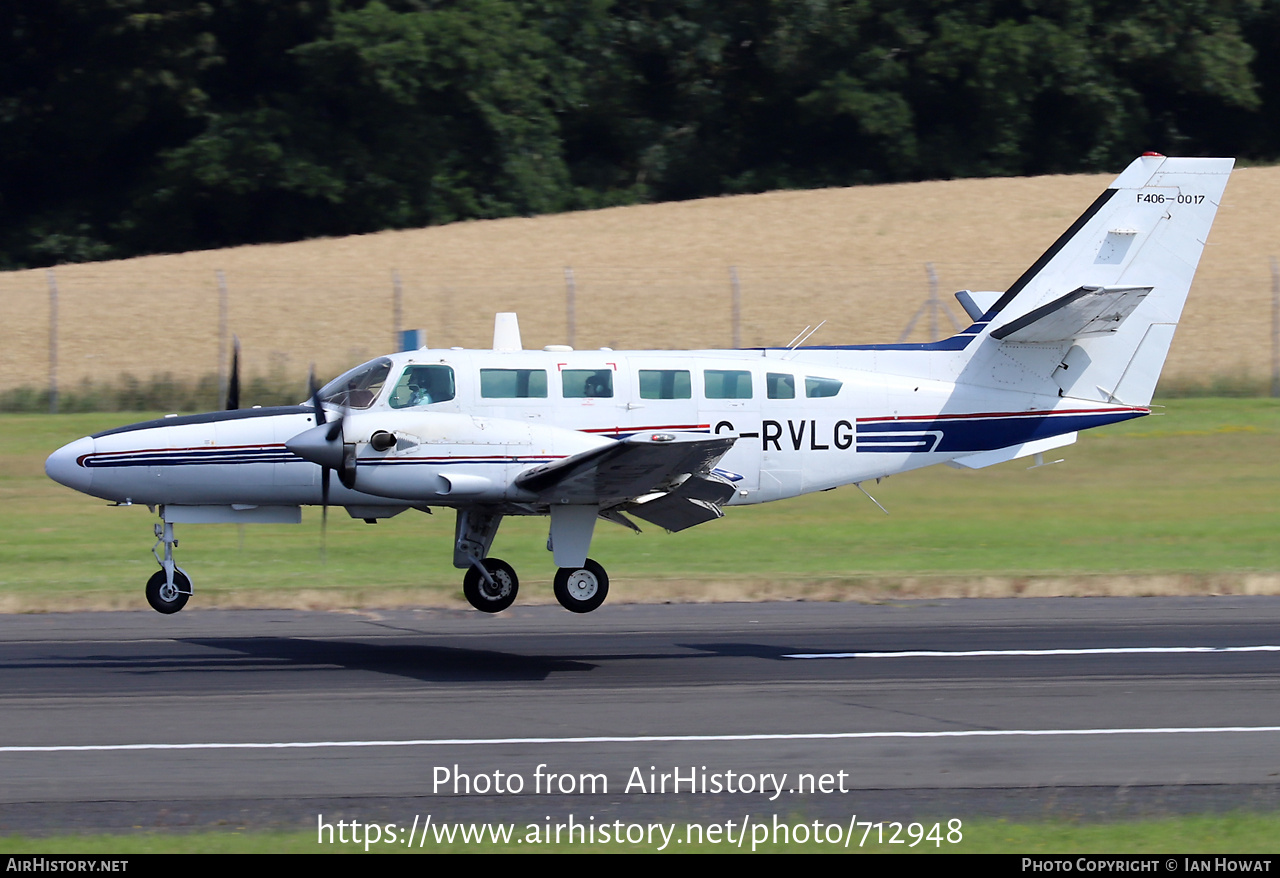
column 652, row 276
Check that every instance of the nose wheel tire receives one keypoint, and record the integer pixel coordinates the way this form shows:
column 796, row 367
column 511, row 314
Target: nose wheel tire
column 165, row 598
column 491, row 598
column 582, row 589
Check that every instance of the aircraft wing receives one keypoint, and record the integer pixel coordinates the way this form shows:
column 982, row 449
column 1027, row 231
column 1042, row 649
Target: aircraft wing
column 634, row 469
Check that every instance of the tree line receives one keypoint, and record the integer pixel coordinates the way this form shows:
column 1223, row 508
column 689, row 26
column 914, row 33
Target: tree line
column 143, row 126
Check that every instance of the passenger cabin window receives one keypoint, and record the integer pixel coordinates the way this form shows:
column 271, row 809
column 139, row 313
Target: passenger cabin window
column 358, row 388
column 727, row 384
column 513, row 383
column 587, row 383
column 815, row 388
column 665, row 384
column 780, row 386
column 422, row 385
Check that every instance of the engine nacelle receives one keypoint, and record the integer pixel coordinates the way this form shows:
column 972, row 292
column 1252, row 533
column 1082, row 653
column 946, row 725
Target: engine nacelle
column 435, row 457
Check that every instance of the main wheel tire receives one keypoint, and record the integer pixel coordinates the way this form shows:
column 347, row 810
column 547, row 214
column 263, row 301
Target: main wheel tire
column 491, row 598
column 165, row 598
column 582, row 589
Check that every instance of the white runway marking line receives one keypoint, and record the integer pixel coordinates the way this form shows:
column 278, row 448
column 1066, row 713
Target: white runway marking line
column 971, row 653
column 637, row 739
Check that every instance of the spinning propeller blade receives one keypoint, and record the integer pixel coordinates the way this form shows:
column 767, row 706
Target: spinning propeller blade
column 313, row 391
column 233, row 383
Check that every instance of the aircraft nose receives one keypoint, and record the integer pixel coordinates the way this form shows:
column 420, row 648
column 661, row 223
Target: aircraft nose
column 63, row 466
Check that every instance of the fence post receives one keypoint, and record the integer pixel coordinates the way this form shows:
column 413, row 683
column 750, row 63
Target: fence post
column 571, row 303
column 933, row 304
column 53, row 341
column 397, row 310
column 222, row 333
column 736, row 306
column 1275, row 328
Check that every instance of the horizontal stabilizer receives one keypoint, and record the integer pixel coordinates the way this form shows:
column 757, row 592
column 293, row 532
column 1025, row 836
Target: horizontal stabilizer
column 984, row 459
column 1086, row 311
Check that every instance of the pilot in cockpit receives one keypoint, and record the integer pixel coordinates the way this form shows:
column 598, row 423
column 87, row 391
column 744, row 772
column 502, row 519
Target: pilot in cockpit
column 418, row 394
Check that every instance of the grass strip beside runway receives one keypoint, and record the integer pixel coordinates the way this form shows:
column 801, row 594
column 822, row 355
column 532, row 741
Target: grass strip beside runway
column 1184, row 502
column 1234, row 833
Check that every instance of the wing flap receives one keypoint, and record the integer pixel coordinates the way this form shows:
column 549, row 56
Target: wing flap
column 696, row 500
column 675, row 513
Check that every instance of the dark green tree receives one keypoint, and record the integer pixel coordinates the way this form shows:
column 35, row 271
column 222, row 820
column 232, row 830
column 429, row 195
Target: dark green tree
column 392, row 118
column 89, row 91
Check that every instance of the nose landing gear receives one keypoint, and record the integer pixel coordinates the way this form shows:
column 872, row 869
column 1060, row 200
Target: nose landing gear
column 169, row 587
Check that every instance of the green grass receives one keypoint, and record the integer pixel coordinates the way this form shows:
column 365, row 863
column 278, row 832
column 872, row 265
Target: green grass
column 1193, row 492
column 1200, row 834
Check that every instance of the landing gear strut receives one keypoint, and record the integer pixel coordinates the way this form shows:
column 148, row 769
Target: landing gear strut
column 582, row 589
column 490, row 585
column 169, row 587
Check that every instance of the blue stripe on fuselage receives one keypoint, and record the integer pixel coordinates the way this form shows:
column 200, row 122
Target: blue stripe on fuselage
column 980, row 432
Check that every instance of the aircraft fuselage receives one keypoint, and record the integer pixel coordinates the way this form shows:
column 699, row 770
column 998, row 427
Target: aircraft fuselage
column 802, row 424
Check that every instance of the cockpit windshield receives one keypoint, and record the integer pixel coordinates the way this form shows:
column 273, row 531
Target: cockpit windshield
column 357, row 389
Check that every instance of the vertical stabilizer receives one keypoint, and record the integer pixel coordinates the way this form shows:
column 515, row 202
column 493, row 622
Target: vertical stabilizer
column 1109, row 293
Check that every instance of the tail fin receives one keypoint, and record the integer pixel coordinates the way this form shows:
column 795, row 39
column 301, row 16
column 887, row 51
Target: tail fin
column 1110, row 291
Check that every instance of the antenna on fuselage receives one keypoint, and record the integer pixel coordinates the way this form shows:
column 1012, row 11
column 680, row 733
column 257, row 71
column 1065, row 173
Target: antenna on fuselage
column 795, row 341
column 858, row 485
column 506, row 332
column 804, row 336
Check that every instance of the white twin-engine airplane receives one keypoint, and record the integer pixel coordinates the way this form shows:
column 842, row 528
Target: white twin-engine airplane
column 1077, row 342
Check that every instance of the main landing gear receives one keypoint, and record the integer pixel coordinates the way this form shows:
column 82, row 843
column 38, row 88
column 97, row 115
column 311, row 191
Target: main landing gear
column 582, row 589
column 490, row 585
column 169, row 587
column 578, row 589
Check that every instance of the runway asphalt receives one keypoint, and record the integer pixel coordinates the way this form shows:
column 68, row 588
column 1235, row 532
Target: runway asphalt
column 920, row 710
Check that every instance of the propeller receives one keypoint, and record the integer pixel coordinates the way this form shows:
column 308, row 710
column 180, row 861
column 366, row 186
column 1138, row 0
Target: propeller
column 233, row 383
column 316, row 445
column 323, row 444
column 314, row 392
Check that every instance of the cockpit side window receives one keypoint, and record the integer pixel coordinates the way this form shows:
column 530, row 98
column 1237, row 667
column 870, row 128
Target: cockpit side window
column 422, row 385
column 780, row 385
column 816, row 388
column 359, row 388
